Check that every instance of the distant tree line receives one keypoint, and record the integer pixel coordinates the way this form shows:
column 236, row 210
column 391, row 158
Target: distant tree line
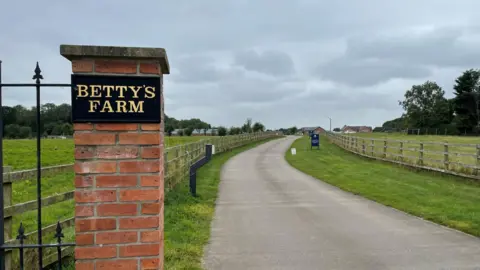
column 289, row 131
column 426, row 108
column 20, row 122
column 186, row 127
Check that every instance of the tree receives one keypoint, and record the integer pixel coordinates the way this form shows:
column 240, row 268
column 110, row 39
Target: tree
column 67, row 129
column 57, row 130
column 336, row 129
column 25, row 132
column 397, row 123
column 426, row 106
column 467, row 100
column 247, row 127
column 292, row 130
column 234, row 131
column 12, row 131
column 169, row 129
column 222, row 131
column 188, row 131
column 257, row 127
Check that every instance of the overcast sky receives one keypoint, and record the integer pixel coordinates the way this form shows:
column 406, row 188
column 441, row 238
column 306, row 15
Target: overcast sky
column 281, row 62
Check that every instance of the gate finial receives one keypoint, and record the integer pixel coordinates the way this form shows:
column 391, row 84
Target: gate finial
column 21, row 233
column 38, row 76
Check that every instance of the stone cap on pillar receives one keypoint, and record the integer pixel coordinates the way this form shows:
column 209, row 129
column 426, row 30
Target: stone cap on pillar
column 72, row 52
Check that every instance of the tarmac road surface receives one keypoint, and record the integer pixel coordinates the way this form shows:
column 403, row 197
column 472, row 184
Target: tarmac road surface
column 272, row 216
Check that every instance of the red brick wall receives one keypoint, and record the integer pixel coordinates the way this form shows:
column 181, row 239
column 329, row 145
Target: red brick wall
column 119, row 184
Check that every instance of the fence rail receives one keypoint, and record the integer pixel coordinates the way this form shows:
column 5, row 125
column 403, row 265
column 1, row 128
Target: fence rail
column 459, row 159
column 178, row 160
column 15, row 176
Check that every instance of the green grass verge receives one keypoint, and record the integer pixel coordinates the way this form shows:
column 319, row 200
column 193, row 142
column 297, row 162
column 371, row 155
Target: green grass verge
column 187, row 219
column 446, row 200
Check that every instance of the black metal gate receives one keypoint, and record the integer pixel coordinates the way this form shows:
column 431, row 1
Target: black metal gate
column 20, row 245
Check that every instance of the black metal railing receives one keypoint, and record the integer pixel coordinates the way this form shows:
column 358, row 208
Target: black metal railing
column 21, row 246
column 195, row 166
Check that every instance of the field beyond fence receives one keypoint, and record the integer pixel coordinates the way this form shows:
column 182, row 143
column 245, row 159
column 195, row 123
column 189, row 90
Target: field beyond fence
column 456, row 158
column 58, row 192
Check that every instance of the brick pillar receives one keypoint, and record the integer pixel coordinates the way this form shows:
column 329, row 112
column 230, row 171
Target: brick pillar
column 119, row 176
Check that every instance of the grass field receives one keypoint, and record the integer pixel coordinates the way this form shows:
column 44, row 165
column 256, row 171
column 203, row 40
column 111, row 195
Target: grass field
column 461, row 149
column 26, row 191
column 446, row 200
column 22, row 154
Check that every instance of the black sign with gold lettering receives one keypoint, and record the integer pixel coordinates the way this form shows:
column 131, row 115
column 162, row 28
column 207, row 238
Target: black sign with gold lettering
column 115, row 99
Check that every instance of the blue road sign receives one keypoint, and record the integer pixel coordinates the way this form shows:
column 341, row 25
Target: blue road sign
column 314, row 141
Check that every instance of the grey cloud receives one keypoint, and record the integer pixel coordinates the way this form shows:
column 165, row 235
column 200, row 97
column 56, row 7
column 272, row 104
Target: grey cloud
column 349, row 100
column 270, row 62
column 441, row 47
column 366, row 72
column 202, row 37
column 409, row 55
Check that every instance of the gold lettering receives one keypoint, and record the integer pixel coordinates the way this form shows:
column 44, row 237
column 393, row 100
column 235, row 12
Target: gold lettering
column 135, row 91
column 96, row 90
column 121, row 106
column 93, row 105
column 149, row 92
column 121, row 89
column 82, row 90
column 108, row 89
column 107, row 105
column 136, row 107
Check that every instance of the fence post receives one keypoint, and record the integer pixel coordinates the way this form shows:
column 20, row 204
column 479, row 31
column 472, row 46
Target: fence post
column 401, row 151
column 165, row 167
column 372, row 145
column 363, row 146
column 478, row 160
column 445, row 156
column 7, row 225
column 384, row 148
column 356, row 144
column 420, row 157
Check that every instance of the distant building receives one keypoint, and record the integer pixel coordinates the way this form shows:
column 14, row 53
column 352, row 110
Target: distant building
column 205, row 132
column 356, row 129
column 316, row 130
column 176, row 132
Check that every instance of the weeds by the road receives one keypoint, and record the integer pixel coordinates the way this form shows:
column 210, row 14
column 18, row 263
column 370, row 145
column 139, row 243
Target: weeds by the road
column 446, row 200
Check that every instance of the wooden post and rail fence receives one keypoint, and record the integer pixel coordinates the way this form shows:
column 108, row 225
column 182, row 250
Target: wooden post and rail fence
column 460, row 159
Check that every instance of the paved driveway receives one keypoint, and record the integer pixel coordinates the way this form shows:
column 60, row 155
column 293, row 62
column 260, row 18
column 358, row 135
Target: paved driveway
column 271, row 216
